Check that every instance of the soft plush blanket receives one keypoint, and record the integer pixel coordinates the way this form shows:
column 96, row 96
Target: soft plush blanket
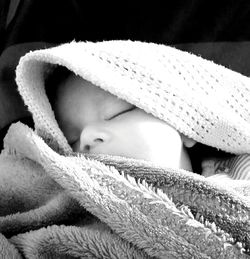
column 59, row 204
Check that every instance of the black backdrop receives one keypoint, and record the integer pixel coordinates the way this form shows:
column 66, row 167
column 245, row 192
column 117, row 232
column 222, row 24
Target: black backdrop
column 168, row 22
column 225, row 23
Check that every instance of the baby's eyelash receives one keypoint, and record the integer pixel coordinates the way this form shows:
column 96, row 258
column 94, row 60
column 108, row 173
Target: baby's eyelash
column 122, row 112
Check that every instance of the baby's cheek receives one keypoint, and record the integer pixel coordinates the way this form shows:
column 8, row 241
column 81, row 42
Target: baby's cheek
column 159, row 142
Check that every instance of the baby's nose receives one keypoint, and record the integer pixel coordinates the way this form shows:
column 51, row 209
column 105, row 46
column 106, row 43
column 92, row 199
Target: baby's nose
column 91, row 138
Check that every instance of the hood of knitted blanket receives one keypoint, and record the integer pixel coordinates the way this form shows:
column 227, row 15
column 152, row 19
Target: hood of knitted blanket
column 205, row 101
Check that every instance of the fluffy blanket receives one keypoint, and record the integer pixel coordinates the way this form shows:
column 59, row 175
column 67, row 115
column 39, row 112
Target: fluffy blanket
column 59, row 204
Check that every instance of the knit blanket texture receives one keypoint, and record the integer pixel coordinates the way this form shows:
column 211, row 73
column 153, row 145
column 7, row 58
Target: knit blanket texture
column 59, row 204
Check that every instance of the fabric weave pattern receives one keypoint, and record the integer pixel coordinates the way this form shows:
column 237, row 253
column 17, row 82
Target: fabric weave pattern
column 202, row 100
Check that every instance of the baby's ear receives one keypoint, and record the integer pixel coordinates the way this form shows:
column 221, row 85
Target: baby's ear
column 188, row 142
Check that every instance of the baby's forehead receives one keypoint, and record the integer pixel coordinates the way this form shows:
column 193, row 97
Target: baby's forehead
column 62, row 77
column 82, row 90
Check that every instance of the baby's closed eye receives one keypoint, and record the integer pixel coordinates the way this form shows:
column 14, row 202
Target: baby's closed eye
column 119, row 113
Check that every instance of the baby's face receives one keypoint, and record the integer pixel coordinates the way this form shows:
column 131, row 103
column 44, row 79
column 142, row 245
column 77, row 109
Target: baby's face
column 95, row 121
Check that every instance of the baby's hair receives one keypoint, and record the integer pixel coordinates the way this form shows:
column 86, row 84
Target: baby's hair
column 59, row 75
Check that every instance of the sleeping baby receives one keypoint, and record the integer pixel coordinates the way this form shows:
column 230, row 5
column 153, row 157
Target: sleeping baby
column 96, row 122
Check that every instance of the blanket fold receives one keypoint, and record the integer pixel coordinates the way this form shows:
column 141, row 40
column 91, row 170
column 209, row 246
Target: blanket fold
column 8, row 250
column 75, row 242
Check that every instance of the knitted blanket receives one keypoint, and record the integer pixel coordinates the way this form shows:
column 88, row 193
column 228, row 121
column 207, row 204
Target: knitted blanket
column 59, row 204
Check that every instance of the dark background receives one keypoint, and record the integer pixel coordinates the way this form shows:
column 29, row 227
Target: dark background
column 167, row 22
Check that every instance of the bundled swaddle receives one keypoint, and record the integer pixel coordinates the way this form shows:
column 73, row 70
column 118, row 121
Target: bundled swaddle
column 63, row 205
